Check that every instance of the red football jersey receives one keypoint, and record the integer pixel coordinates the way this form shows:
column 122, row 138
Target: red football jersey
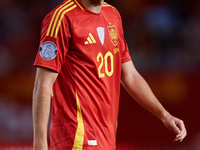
column 87, row 50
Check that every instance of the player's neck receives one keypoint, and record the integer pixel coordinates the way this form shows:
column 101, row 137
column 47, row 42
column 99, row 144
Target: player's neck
column 93, row 5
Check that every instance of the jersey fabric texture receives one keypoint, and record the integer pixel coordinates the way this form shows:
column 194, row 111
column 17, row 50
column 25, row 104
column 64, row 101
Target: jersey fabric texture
column 87, row 50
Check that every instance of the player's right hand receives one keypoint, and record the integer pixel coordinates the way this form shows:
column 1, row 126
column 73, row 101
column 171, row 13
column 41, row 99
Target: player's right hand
column 177, row 126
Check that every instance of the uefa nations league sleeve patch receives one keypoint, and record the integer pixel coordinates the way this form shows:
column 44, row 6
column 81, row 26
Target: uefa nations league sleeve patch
column 48, row 50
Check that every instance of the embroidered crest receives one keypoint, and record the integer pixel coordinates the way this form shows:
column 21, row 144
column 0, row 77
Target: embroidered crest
column 113, row 34
column 48, row 50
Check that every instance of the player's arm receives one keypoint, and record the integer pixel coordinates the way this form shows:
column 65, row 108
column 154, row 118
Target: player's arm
column 41, row 106
column 138, row 88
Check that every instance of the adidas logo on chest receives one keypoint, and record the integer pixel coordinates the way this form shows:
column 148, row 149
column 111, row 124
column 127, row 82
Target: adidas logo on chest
column 101, row 35
column 90, row 39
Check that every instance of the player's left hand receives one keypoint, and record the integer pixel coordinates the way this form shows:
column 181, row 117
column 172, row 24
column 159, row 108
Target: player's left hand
column 177, row 126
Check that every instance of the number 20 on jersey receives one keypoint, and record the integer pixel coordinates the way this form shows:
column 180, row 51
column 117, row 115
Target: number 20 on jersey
column 103, row 63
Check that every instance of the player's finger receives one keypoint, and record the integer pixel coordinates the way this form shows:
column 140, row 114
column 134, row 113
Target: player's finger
column 182, row 128
column 181, row 125
column 176, row 129
column 182, row 134
column 180, row 138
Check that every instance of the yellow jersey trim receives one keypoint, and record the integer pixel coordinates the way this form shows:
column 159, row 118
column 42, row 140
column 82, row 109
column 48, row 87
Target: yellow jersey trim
column 59, row 23
column 52, row 93
column 57, row 18
column 107, row 5
column 79, row 5
column 52, row 19
column 79, row 137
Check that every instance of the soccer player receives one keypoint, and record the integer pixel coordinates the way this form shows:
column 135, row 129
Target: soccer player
column 81, row 61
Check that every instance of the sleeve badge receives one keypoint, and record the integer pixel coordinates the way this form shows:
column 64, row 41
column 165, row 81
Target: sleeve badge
column 48, row 50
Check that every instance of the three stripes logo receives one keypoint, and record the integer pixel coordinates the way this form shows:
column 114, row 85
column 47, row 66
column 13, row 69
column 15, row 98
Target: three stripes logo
column 58, row 15
column 90, row 39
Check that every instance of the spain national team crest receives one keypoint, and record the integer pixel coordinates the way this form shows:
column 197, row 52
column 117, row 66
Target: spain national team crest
column 113, row 34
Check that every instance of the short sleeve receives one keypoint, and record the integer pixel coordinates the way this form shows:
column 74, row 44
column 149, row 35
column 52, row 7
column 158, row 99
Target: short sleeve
column 124, row 48
column 54, row 42
column 125, row 52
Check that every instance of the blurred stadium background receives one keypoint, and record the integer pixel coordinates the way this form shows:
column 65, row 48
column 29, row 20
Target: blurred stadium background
column 164, row 41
